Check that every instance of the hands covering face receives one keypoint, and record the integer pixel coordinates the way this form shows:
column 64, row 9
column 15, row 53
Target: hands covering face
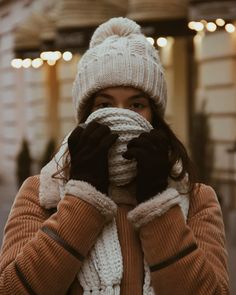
column 89, row 149
column 151, row 151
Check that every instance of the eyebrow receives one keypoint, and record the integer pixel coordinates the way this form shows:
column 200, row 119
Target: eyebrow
column 139, row 95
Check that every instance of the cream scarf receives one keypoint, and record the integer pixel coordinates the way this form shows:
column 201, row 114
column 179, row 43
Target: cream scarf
column 101, row 272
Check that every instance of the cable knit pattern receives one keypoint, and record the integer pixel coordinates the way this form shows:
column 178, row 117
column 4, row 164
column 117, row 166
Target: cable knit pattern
column 119, row 55
column 128, row 125
column 90, row 194
column 112, row 28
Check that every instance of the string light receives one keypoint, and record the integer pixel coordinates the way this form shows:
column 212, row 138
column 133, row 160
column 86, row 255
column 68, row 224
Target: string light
column 162, row 42
column 26, row 63
column 220, row 22
column 67, row 55
column 37, row 62
column 230, row 28
column 58, row 54
column 16, row 63
column 44, row 55
column 198, row 26
column 150, row 40
column 211, row 27
column 50, row 55
column 191, row 25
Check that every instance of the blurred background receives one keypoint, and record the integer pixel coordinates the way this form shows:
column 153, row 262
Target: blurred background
column 41, row 42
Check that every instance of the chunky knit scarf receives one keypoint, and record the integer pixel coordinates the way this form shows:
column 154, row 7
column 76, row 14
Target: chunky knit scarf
column 101, row 272
column 127, row 124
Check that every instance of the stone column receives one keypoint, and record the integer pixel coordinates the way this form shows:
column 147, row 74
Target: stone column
column 216, row 60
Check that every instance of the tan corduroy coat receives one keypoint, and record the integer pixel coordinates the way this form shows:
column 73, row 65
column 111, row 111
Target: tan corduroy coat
column 43, row 250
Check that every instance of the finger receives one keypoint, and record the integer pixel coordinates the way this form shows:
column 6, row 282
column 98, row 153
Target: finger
column 89, row 129
column 158, row 140
column 128, row 155
column 74, row 138
column 159, row 137
column 141, row 142
column 145, row 142
column 98, row 134
column 135, row 153
column 108, row 141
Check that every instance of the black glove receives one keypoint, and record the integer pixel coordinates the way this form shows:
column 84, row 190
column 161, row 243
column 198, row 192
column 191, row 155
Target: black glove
column 88, row 151
column 151, row 151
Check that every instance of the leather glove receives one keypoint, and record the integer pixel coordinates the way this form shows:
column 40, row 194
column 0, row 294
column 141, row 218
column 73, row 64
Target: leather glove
column 88, row 150
column 151, row 151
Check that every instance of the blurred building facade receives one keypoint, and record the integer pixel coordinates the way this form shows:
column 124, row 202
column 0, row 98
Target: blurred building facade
column 198, row 56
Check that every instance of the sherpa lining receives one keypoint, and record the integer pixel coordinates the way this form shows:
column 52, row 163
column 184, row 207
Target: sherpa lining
column 91, row 195
column 157, row 206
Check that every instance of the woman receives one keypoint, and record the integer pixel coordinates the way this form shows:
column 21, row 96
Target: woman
column 117, row 210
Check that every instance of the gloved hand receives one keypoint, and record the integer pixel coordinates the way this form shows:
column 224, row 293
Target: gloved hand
column 88, row 150
column 151, row 151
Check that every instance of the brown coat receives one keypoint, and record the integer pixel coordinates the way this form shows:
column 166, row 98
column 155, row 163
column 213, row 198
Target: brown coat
column 184, row 258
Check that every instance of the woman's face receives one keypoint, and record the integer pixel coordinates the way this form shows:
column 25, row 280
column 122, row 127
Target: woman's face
column 123, row 97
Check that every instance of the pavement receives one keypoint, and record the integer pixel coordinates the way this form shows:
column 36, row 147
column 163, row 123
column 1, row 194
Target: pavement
column 7, row 195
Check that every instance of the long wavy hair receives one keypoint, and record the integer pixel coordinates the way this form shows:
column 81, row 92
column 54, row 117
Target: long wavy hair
column 178, row 152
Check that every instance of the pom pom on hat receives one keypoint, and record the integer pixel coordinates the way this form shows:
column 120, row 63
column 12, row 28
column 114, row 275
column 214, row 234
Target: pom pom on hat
column 119, row 55
column 119, row 26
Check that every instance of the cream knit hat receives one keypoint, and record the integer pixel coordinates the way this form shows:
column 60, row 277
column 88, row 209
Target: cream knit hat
column 119, row 55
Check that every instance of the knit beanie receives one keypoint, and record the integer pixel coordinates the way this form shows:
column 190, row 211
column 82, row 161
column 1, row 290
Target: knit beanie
column 119, row 55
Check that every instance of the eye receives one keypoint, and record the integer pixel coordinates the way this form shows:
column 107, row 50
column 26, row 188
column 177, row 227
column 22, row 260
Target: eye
column 101, row 102
column 137, row 106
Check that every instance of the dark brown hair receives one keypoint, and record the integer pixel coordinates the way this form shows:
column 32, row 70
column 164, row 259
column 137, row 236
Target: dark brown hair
column 178, row 152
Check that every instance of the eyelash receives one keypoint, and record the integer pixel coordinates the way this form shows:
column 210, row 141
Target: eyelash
column 135, row 105
column 138, row 105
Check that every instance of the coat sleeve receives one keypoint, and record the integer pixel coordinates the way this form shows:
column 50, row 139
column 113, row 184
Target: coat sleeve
column 188, row 258
column 41, row 254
